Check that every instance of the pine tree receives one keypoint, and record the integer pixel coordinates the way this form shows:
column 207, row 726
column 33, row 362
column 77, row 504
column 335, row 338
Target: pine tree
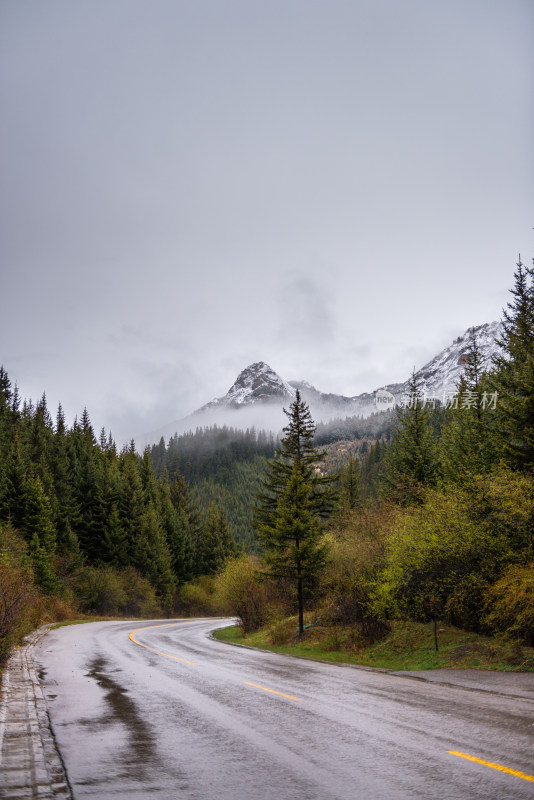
column 66, row 509
column 513, row 380
column 131, row 505
column 215, row 544
column 90, row 499
column 151, row 556
column 351, row 485
column 294, row 550
column 294, row 500
column 467, row 444
column 190, row 524
column 115, row 549
column 115, row 541
column 177, row 532
column 39, row 531
column 372, row 472
column 411, row 463
column 9, row 412
column 148, row 479
column 14, row 474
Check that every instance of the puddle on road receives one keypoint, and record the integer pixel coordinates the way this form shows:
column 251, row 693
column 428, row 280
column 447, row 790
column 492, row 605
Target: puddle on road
column 45, row 683
column 140, row 750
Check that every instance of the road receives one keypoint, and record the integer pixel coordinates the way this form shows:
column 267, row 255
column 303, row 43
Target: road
column 161, row 710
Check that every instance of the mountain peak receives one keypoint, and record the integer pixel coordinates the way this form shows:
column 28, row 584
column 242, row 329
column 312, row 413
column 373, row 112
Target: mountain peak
column 259, row 394
column 442, row 374
column 257, row 382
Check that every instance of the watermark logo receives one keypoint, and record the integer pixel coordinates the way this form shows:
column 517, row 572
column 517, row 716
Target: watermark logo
column 467, row 399
column 384, row 400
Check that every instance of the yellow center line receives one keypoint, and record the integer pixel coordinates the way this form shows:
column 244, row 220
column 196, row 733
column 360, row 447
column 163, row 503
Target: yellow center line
column 500, row 767
column 256, row 686
column 192, row 663
column 160, row 652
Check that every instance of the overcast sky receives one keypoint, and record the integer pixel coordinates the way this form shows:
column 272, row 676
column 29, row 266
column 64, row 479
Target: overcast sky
column 188, row 186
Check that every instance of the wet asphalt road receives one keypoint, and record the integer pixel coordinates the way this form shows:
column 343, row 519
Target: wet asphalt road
column 192, row 721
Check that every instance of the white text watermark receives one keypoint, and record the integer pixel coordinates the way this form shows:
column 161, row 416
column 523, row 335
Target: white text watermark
column 469, row 399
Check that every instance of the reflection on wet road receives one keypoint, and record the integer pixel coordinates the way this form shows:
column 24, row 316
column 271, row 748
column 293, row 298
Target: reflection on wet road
column 169, row 712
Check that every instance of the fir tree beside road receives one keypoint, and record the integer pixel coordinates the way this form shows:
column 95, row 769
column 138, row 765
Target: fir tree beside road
column 295, row 500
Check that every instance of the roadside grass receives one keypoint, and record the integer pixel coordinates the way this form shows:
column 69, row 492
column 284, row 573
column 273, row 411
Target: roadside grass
column 409, row 646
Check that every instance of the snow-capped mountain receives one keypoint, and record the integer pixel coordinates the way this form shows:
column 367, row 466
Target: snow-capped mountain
column 259, row 394
column 442, row 374
column 256, row 383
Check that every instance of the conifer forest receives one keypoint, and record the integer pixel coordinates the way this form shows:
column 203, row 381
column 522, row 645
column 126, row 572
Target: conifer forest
column 424, row 513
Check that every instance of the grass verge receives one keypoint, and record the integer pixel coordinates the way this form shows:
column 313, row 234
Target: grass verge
column 409, row 646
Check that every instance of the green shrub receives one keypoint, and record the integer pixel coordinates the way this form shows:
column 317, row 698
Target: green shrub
column 100, row 590
column 140, row 595
column 282, row 631
column 356, row 557
column 503, row 502
column 20, row 603
column 510, row 604
column 197, row 598
column 437, row 562
column 112, row 592
column 244, row 593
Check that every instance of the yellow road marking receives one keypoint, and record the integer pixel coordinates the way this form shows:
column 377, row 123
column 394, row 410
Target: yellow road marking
column 509, row 771
column 159, row 652
column 256, row 686
column 192, row 663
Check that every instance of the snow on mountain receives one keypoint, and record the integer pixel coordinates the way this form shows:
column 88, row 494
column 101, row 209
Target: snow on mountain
column 257, row 383
column 442, row 374
column 259, row 394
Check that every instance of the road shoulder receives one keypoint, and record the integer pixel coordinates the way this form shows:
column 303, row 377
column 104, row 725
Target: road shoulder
column 506, row 684
column 30, row 764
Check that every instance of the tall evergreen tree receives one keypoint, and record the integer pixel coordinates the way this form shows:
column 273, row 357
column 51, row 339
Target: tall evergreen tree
column 191, row 526
column 9, row 412
column 215, row 544
column 116, row 549
column 13, row 479
column 411, row 463
column 89, row 485
column 372, row 472
column 131, row 505
column 66, row 509
column 294, row 500
column 148, row 479
column 351, row 485
column 467, row 444
column 151, row 555
column 39, row 531
column 513, row 379
column 177, row 532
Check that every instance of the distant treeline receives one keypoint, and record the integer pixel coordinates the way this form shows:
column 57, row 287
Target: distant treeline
column 86, row 522
column 223, row 466
column 376, row 426
column 226, row 466
column 209, row 452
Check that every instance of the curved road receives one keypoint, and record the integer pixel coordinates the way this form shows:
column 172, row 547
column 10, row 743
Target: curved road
column 161, row 710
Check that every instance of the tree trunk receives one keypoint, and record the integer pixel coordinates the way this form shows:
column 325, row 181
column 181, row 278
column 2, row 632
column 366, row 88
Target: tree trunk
column 301, row 605
column 436, row 633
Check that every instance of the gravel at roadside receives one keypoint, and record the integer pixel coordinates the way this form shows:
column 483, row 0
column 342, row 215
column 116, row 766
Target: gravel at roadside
column 515, row 684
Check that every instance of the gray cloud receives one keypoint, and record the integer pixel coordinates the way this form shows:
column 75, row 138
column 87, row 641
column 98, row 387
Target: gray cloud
column 335, row 188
